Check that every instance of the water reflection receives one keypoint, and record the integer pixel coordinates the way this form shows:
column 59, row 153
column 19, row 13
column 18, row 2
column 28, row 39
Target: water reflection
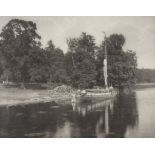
column 94, row 120
column 125, row 114
column 110, row 118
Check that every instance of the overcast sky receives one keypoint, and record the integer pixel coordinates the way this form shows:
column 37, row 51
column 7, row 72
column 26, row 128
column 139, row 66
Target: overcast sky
column 138, row 31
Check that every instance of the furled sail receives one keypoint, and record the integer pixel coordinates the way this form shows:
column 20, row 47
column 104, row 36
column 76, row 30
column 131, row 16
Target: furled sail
column 105, row 72
column 105, row 65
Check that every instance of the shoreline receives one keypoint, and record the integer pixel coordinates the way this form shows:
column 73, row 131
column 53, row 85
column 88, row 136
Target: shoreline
column 61, row 101
column 144, row 85
column 17, row 96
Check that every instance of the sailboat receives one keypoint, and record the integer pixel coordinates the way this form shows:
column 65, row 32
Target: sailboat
column 97, row 94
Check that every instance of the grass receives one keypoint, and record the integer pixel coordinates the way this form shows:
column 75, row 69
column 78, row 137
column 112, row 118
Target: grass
column 14, row 96
column 9, row 96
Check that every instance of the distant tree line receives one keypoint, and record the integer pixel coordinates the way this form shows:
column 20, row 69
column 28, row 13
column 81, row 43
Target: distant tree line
column 23, row 59
column 145, row 76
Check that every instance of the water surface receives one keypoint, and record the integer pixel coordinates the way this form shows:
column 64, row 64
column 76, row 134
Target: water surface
column 128, row 115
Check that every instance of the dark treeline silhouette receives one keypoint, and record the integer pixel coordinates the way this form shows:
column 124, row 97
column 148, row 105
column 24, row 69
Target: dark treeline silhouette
column 24, row 60
column 145, row 75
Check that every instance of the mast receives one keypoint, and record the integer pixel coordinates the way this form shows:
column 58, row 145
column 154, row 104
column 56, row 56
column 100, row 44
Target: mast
column 105, row 64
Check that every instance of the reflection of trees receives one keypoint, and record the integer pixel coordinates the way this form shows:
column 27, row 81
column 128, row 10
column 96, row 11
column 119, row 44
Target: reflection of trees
column 86, row 125
column 125, row 114
column 94, row 121
column 35, row 120
column 112, row 120
column 4, row 119
column 103, row 119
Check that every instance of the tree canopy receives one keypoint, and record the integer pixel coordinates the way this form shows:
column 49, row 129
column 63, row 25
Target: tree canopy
column 121, row 64
column 18, row 38
column 24, row 59
column 82, row 70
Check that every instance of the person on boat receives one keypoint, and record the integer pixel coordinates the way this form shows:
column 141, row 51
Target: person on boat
column 111, row 89
column 73, row 100
column 83, row 92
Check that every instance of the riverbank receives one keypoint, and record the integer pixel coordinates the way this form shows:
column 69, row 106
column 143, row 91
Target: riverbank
column 144, row 85
column 15, row 96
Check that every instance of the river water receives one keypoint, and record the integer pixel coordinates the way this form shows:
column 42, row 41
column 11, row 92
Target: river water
column 128, row 115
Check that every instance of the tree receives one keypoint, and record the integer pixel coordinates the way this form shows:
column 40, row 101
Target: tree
column 55, row 64
column 1, row 61
column 18, row 38
column 80, row 61
column 121, row 65
column 37, row 62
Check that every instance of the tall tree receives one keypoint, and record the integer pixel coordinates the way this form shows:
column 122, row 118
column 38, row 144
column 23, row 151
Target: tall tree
column 55, row 64
column 18, row 37
column 37, row 62
column 80, row 61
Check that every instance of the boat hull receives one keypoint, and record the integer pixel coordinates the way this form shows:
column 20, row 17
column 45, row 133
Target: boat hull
column 95, row 97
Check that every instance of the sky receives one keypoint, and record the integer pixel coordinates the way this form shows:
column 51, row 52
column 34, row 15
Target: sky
column 138, row 31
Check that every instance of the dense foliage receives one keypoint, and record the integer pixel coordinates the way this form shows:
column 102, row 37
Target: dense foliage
column 121, row 64
column 18, row 38
column 23, row 59
column 80, row 61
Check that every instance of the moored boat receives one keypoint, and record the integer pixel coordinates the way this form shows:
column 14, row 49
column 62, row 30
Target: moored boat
column 97, row 94
column 94, row 95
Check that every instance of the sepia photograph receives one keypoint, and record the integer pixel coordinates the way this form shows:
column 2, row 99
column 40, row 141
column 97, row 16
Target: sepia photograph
column 77, row 77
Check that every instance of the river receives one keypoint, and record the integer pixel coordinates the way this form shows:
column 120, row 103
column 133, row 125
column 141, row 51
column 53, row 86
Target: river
column 128, row 115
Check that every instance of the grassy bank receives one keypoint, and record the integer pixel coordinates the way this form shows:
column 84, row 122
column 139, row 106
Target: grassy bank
column 13, row 96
